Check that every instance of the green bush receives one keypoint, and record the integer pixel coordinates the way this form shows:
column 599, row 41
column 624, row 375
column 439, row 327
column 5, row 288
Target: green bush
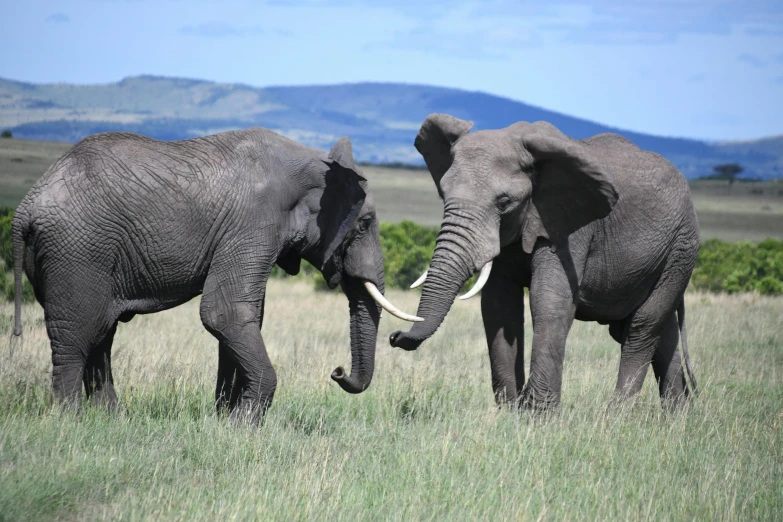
column 7, row 288
column 407, row 251
column 740, row 267
column 6, row 244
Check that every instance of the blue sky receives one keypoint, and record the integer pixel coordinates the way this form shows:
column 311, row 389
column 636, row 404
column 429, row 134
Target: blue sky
column 709, row 69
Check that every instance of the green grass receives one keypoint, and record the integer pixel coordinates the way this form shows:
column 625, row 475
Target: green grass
column 22, row 162
column 746, row 211
column 423, row 443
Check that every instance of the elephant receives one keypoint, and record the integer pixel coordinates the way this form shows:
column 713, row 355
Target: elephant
column 596, row 229
column 123, row 224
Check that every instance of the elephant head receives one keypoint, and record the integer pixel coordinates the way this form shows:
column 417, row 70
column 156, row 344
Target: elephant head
column 521, row 183
column 343, row 242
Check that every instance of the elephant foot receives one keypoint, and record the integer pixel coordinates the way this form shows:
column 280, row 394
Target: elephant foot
column 620, row 402
column 539, row 404
column 105, row 398
column 250, row 412
column 507, row 401
column 678, row 402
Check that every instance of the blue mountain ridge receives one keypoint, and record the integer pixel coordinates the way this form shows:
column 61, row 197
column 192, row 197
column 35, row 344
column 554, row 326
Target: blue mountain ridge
column 380, row 118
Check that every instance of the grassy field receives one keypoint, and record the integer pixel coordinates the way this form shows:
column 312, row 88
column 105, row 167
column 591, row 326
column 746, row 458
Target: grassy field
column 746, row 211
column 423, row 443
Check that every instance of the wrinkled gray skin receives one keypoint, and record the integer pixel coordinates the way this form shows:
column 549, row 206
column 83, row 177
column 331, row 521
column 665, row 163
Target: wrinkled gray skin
column 598, row 229
column 123, row 225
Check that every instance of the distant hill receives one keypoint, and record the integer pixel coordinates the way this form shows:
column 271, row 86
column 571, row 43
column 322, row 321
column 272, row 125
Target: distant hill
column 381, row 118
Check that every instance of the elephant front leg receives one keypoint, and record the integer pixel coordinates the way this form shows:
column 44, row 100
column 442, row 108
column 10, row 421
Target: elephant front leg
column 255, row 380
column 227, row 390
column 553, row 308
column 503, row 312
column 232, row 308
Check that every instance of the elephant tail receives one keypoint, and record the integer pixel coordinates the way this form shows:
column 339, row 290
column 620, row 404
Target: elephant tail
column 18, row 232
column 684, row 338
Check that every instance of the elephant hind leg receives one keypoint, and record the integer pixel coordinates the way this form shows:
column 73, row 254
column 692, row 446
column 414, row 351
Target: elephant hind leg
column 651, row 338
column 652, row 342
column 67, row 367
column 80, row 343
column 653, row 334
column 97, row 375
column 668, row 366
column 80, row 322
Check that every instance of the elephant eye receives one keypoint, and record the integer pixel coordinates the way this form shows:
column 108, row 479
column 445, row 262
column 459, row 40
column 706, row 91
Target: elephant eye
column 364, row 223
column 504, row 202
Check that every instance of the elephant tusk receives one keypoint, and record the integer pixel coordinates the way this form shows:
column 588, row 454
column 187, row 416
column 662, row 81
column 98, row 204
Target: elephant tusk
column 482, row 280
column 396, row 312
column 420, row 281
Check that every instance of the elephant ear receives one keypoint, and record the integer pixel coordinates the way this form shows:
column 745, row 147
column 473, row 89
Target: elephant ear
column 342, row 154
column 341, row 201
column 436, row 136
column 571, row 189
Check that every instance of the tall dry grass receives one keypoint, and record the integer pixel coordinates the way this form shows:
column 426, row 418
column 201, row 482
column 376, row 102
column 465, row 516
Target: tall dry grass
column 425, row 442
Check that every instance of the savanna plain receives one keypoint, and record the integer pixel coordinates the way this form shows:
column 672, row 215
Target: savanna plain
column 425, row 441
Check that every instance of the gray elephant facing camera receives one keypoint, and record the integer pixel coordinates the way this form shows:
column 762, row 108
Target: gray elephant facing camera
column 123, row 225
column 597, row 229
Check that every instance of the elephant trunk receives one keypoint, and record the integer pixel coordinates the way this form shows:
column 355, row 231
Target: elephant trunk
column 451, row 266
column 365, row 316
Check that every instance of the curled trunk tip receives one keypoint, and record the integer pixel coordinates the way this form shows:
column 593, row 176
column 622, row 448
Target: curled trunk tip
column 347, row 382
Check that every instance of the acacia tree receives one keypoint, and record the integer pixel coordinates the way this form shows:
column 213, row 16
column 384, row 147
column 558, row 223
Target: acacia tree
column 727, row 171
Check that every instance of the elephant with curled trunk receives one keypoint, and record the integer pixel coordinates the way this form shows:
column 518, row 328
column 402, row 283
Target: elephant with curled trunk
column 597, row 229
column 124, row 225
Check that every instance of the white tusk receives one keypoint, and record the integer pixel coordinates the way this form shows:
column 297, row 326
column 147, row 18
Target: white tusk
column 420, row 280
column 396, row 312
column 482, row 280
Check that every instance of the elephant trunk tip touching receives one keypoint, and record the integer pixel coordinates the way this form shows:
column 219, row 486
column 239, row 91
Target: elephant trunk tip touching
column 349, row 383
column 405, row 340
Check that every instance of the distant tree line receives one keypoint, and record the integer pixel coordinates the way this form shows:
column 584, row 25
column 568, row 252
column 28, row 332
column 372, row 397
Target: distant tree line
column 394, row 165
column 729, row 172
